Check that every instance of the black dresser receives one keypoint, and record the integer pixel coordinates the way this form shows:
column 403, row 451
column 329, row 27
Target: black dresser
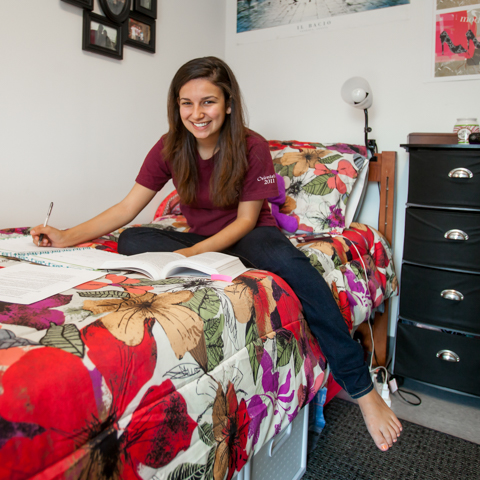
column 438, row 330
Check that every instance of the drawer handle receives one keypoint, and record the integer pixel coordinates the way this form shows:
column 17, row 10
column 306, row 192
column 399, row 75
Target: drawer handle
column 277, row 442
column 448, row 356
column 452, row 295
column 460, row 173
column 456, row 234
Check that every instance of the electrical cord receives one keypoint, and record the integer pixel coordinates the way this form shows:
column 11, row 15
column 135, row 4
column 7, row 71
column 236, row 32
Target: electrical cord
column 375, row 355
column 399, row 391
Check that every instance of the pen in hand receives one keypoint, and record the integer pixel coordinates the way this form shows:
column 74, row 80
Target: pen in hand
column 45, row 223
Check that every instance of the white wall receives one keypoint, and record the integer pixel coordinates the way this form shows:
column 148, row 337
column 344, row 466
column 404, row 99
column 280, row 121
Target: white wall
column 75, row 126
column 292, row 89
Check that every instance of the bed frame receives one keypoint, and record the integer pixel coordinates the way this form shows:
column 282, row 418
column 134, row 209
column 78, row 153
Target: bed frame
column 294, row 438
column 382, row 171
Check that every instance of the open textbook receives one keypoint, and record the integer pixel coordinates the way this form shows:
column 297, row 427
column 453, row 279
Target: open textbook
column 156, row 265
column 160, row 265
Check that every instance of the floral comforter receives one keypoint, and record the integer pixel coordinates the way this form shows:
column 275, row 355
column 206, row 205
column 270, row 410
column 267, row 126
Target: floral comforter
column 130, row 378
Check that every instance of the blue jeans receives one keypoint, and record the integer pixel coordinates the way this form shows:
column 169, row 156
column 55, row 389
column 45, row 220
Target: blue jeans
column 266, row 248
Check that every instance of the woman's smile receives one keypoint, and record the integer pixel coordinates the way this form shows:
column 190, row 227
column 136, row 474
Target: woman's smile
column 203, row 110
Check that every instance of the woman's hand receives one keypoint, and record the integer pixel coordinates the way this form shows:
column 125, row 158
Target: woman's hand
column 108, row 221
column 52, row 237
column 187, row 252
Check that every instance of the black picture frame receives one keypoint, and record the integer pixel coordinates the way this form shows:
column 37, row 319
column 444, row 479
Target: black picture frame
column 86, row 4
column 147, row 7
column 116, row 10
column 139, row 32
column 107, row 40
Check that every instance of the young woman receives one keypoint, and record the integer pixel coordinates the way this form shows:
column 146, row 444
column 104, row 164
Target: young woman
column 223, row 173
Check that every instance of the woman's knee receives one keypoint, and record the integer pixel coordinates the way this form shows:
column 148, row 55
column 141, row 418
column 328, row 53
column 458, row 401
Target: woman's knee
column 148, row 239
column 128, row 241
column 268, row 249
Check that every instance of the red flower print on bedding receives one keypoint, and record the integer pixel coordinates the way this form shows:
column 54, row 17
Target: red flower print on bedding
column 230, row 429
column 275, row 145
column 161, row 421
column 101, row 244
column 266, row 298
column 252, row 294
column 346, row 148
column 125, row 320
column 129, row 284
column 15, row 231
column 306, row 342
column 67, row 422
column 334, row 181
column 280, row 145
column 343, row 304
column 380, row 256
column 361, row 235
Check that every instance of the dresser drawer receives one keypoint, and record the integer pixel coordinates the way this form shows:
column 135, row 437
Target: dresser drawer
column 440, row 297
column 425, row 241
column 416, row 357
column 430, row 182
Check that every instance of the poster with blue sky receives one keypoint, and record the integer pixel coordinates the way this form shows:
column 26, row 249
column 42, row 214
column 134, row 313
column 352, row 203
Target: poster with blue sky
column 257, row 19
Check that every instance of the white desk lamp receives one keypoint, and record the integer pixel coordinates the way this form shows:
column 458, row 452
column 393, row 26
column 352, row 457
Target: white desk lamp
column 357, row 92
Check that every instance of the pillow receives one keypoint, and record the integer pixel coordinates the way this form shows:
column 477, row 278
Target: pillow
column 169, row 206
column 319, row 179
column 357, row 195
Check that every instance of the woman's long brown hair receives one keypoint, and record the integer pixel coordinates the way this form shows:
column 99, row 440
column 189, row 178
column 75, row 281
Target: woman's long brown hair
column 180, row 147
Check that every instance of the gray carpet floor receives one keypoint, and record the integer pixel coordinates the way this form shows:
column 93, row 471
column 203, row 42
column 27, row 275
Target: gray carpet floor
column 345, row 451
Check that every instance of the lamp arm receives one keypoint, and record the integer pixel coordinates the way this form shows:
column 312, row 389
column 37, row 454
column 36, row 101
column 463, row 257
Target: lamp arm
column 370, row 144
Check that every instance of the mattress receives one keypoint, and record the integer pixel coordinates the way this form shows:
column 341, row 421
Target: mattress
column 125, row 377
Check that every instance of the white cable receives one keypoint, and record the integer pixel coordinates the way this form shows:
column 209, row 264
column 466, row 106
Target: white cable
column 373, row 345
column 358, row 253
column 366, row 288
column 376, row 369
column 385, row 392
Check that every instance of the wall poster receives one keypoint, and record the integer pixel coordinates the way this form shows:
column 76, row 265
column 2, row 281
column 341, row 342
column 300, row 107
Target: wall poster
column 457, row 40
column 268, row 19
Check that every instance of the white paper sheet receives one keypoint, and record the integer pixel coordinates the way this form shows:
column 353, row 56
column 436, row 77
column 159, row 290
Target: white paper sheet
column 27, row 283
column 86, row 258
column 24, row 244
column 20, row 246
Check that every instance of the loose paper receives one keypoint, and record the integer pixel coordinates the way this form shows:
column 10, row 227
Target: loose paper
column 27, row 283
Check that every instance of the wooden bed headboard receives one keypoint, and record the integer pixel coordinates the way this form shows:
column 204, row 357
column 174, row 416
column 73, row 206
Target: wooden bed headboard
column 382, row 170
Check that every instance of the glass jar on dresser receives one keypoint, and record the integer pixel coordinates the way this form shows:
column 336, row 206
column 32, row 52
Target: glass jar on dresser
column 438, row 330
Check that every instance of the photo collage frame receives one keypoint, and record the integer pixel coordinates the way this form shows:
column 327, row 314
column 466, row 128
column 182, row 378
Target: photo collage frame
column 125, row 22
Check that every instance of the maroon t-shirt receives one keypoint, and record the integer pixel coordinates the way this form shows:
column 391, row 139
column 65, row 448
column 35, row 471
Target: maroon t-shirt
column 203, row 216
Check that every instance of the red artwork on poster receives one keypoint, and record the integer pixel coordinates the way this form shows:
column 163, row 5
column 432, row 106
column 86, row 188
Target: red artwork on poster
column 457, row 48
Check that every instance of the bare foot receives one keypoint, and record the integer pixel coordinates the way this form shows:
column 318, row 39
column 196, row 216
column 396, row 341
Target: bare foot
column 382, row 423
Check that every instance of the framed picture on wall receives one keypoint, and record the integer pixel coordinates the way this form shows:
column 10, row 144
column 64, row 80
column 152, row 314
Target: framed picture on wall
column 147, row 7
column 456, row 42
column 116, row 10
column 87, row 4
column 140, row 32
column 102, row 36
